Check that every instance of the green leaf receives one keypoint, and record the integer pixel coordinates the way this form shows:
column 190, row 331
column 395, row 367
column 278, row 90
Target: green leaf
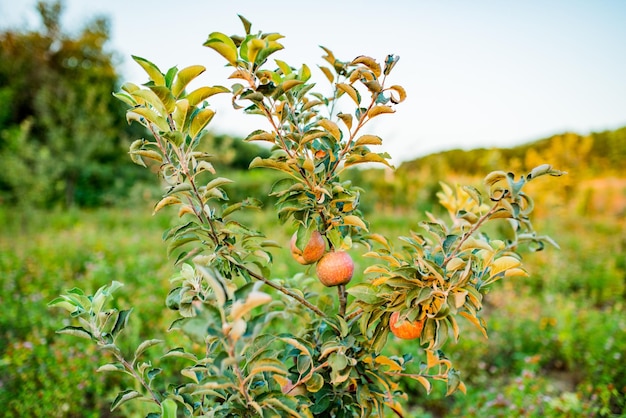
column 180, row 352
column 153, row 71
column 65, row 303
column 215, row 282
column 315, row 383
column 364, row 292
column 112, row 367
column 126, row 98
column 123, row 397
column 168, row 408
column 76, row 331
column 269, row 163
column 144, row 346
column 217, row 182
column 121, row 321
column 454, row 382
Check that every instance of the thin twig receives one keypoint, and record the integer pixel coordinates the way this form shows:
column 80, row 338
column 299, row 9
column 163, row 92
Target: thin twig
column 282, row 289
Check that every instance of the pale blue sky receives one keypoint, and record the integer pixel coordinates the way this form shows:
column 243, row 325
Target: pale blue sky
column 477, row 73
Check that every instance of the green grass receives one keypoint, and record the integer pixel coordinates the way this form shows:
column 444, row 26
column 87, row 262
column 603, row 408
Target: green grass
column 556, row 346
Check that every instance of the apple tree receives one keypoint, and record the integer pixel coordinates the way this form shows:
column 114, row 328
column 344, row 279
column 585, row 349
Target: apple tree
column 333, row 362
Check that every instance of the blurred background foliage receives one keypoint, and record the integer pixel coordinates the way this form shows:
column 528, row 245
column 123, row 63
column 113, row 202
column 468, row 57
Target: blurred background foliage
column 72, row 212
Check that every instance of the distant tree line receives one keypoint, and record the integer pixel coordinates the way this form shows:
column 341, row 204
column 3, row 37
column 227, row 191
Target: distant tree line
column 63, row 136
column 64, row 139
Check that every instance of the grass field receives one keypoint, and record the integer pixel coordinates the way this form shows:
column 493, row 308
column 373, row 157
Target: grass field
column 556, row 347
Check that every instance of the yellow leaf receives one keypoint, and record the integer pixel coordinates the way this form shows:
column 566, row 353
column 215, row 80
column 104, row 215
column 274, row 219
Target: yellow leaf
column 350, row 91
column 254, row 299
column 375, row 269
column 386, row 361
column 379, row 281
column 473, row 243
column 369, row 140
column 346, row 118
column 354, row 221
column 379, row 238
column 185, row 210
column 224, row 46
column 459, row 298
column 431, row 359
column 262, row 136
column 254, row 46
column 455, row 264
column 166, row 201
column 329, row 75
column 331, row 127
column 516, row 272
column 475, row 321
column 369, row 62
column 424, row 383
column 401, row 94
column 200, row 121
column 289, row 84
column 503, row 264
column 378, row 110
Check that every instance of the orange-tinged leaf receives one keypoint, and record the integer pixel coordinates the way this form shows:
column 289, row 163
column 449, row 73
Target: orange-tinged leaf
column 346, row 118
column 185, row 210
column 401, row 94
column 379, row 281
column 350, row 91
column 254, row 299
column 369, row 62
column 289, row 84
column 331, row 127
column 369, row 140
column 329, row 75
column 475, row 321
column 379, row 110
column 431, row 359
column 375, row 269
